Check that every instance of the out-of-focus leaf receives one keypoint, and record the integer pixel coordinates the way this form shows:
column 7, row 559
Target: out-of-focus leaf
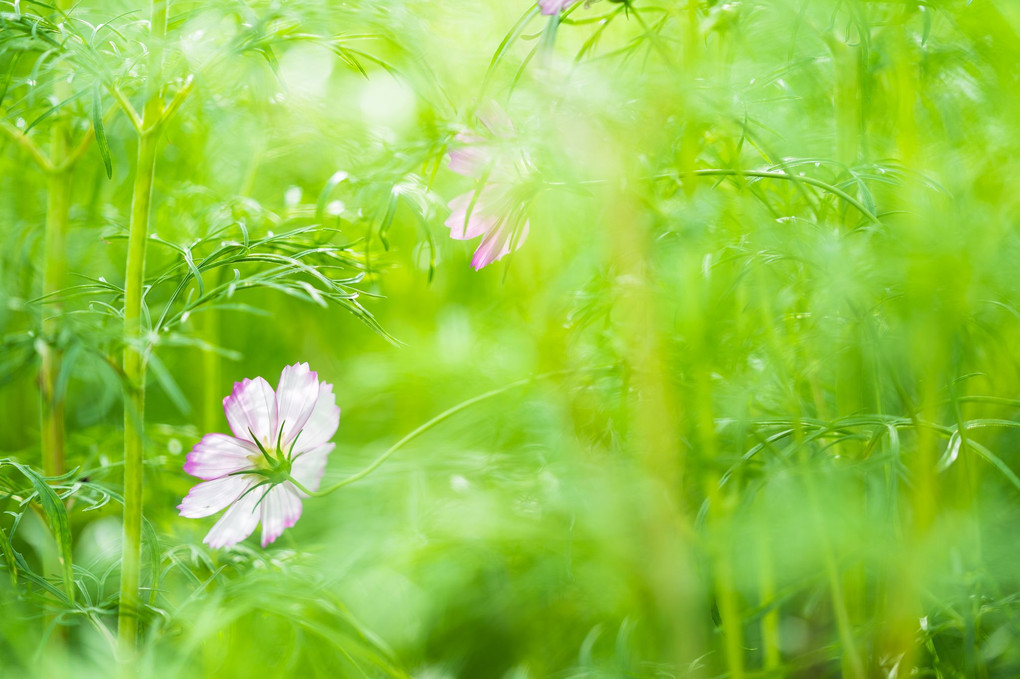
column 8, row 553
column 56, row 515
column 100, row 129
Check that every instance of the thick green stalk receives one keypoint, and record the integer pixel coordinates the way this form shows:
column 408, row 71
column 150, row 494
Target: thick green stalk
column 722, row 506
column 54, row 279
column 905, row 575
column 134, row 351
column 58, row 211
column 665, row 546
column 134, row 407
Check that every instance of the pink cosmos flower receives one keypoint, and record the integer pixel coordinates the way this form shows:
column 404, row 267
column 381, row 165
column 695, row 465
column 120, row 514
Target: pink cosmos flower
column 492, row 211
column 492, row 214
column 554, row 6
column 278, row 436
column 472, row 158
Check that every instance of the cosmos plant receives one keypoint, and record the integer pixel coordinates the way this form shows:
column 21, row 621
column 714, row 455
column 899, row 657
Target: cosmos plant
column 793, row 259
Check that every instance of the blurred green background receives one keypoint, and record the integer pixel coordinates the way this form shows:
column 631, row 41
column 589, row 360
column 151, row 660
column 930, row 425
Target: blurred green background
column 773, row 266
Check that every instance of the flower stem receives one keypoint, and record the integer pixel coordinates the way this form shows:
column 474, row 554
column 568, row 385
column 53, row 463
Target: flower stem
column 756, row 174
column 770, row 639
column 438, row 419
column 134, row 352
column 212, row 401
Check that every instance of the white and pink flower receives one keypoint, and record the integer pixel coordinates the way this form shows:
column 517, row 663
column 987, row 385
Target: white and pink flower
column 491, row 211
column 279, row 437
column 493, row 214
column 554, row 6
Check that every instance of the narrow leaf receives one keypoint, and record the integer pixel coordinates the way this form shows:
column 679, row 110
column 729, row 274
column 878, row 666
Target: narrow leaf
column 56, row 514
column 97, row 124
column 8, row 552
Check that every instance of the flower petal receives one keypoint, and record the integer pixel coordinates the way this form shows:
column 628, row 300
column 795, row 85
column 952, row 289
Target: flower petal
column 239, row 521
column 310, row 466
column 217, row 455
column 296, row 395
column 281, row 508
column 471, row 158
column 495, row 119
column 209, row 497
column 251, row 409
column 554, row 6
column 498, row 244
column 322, row 423
column 464, row 226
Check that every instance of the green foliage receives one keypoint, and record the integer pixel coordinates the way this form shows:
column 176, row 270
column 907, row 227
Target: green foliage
column 770, row 282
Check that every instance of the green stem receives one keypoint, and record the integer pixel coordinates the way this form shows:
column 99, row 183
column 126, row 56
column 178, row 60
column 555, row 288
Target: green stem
column 847, row 121
column 770, row 639
column 818, row 183
column 134, row 351
column 438, row 419
column 850, row 657
column 212, row 401
column 26, row 143
column 725, row 588
column 134, row 407
column 760, row 174
column 54, row 279
column 58, row 210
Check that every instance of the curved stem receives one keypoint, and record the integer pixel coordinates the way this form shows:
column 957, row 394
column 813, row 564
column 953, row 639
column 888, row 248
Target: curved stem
column 26, row 143
column 818, row 183
column 129, row 110
column 438, row 419
column 761, row 174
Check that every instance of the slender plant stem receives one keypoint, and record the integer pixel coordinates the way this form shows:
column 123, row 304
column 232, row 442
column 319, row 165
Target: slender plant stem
column 212, row 401
column 850, row 657
column 721, row 511
column 58, row 213
column 134, row 352
column 759, row 174
column 58, row 210
column 770, row 639
column 438, row 419
column 128, row 109
column 818, row 183
column 29, row 146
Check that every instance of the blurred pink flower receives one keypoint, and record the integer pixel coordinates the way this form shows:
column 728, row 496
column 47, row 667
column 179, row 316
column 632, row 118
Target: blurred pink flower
column 472, row 158
column 277, row 435
column 475, row 154
column 492, row 211
column 554, row 6
column 492, row 214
